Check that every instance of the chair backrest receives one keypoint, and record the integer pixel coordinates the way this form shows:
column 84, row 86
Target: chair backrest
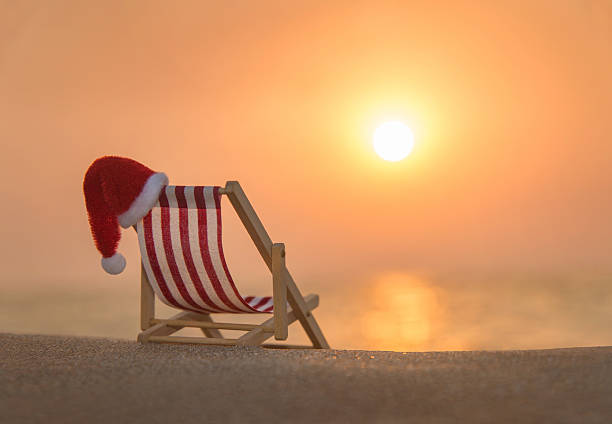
column 182, row 253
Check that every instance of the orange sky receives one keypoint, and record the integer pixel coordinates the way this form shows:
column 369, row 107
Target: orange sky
column 509, row 101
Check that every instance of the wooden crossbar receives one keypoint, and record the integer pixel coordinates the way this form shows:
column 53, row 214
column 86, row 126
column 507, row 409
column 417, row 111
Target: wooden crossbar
column 286, row 346
column 196, row 340
column 217, row 325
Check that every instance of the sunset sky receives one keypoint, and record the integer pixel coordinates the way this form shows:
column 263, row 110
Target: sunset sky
column 509, row 103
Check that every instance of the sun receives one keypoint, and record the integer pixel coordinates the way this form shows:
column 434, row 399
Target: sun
column 393, row 141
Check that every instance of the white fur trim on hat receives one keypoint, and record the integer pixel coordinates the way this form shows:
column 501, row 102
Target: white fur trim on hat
column 115, row 264
column 145, row 200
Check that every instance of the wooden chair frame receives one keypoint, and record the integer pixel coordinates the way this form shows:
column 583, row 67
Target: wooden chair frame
column 284, row 290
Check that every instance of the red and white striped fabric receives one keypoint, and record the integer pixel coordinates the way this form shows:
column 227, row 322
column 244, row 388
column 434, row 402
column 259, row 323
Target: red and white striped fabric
column 180, row 245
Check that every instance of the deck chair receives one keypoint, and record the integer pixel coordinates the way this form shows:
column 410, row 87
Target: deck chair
column 184, row 266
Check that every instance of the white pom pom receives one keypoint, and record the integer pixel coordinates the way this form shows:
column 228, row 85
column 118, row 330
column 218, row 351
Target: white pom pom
column 115, row 264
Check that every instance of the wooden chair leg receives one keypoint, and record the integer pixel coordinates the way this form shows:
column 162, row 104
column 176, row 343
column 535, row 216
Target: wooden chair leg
column 279, row 295
column 304, row 314
column 314, row 332
column 147, row 300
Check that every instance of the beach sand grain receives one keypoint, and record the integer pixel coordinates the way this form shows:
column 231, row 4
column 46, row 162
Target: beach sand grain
column 58, row 379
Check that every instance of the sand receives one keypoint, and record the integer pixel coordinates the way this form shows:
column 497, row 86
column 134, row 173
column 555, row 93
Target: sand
column 52, row 379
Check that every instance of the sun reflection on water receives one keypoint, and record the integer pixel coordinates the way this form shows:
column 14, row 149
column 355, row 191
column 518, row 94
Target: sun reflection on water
column 403, row 312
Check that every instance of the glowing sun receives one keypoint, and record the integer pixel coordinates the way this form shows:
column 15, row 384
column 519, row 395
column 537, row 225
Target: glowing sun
column 393, row 141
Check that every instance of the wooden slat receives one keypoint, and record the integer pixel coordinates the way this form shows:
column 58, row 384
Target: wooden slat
column 279, row 297
column 257, row 336
column 217, row 325
column 195, row 340
column 286, row 346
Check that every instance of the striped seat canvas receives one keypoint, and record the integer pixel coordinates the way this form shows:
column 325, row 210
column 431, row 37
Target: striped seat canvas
column 182, row 254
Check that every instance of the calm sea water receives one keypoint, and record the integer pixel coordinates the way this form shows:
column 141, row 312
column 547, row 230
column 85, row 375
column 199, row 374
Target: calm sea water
column 391, row 311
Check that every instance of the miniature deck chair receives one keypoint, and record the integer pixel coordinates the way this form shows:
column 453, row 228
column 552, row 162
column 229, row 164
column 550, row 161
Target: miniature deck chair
column 184, row 266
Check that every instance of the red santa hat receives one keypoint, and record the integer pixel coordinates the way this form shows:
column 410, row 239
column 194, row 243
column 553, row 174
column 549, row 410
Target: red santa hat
column 118, row 191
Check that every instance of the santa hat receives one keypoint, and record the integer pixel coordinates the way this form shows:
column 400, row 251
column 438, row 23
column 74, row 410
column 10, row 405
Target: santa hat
column 118, row 191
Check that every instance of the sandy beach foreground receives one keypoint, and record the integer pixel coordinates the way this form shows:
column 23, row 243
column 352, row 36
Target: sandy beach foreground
column 54, row 379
